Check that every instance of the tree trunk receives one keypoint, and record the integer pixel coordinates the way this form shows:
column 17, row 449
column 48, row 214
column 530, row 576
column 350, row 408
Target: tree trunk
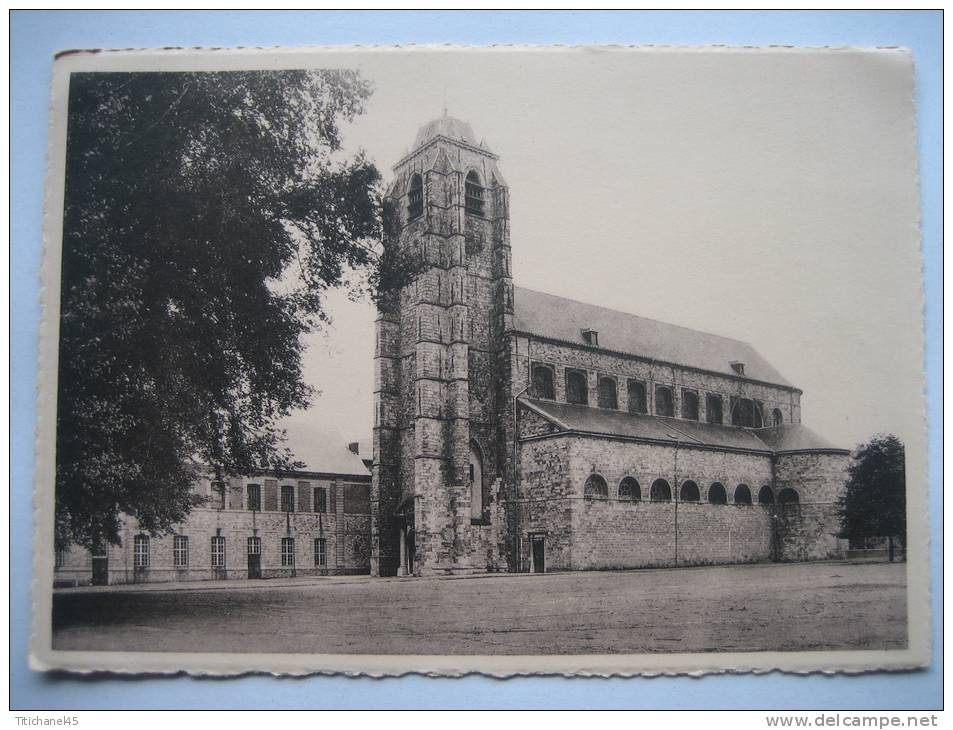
column 890, row 548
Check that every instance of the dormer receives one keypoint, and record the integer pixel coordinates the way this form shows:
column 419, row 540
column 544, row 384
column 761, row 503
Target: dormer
column 738, row 367
column 590, row 337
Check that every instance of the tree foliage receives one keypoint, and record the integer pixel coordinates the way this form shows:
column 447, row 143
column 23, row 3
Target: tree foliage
column 874, row 503
column 205, row 216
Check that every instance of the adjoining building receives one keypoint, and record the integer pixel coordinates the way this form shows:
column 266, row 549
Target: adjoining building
column 520, row 431
column 258, row 526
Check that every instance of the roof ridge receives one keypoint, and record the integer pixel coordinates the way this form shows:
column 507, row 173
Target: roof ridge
column 639, row 316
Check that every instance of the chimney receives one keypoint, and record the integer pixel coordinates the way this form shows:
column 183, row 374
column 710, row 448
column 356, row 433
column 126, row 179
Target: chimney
column 737, row 366
column 354, row 447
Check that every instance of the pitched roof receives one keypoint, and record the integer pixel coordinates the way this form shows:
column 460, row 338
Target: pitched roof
column 603, row 422
column 794, row 437
column 564, row 319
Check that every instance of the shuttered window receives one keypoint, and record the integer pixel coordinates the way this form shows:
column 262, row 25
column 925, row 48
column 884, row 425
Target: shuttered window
column 304, row 496
column 287, row 498
column 271, row 495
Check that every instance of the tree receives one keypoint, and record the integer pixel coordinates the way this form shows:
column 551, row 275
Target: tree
column 874, row 503
column 205, row 216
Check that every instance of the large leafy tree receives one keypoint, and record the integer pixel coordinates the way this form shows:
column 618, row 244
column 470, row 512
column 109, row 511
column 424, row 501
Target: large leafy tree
column 206, row 213
column 874, row 503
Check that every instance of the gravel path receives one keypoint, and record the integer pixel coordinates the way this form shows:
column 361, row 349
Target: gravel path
column 795, row 607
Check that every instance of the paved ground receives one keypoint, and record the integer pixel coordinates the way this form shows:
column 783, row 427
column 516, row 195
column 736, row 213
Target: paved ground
column 728, row 608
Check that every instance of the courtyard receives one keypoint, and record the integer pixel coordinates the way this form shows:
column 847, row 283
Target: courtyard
column 763, row 607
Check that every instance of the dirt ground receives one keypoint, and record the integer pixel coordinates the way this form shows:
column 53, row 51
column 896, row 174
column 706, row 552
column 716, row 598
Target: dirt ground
column 726, row 608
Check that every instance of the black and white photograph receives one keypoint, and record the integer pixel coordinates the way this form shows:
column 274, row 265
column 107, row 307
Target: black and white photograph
column 578, row 360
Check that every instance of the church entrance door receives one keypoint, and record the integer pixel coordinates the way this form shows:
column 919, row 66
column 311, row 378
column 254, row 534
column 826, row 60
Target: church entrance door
column 539, row 553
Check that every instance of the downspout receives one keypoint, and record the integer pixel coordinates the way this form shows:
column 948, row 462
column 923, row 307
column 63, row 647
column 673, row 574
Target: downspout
column 675, row 487
column 516, row 481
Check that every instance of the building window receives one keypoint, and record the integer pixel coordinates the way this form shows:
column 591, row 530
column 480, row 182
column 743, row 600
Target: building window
column 476, row 482
column 287, row 552
column 180, row 551
column 218, row 493
column 140, row 551
column 590, row 337
column 254, row 497
column 637, row 400
column 629, row 490
column 746, row 412
column 776, row 418
column 689, row 404
column 287, row 498
column 742, row 494
column 608, row 398
column 320, row 552
column 689, row 492
column 415, row 198
column 543, row 382
column 713, row 408
column 474, row 194
column 596, row 488
column 664, row 401
column 320, row 499
column 765, row 495
column 788, row 496
column 254, row 546
column 218, row 552
column 717, row 494
column 577, row 389
column 661, row 491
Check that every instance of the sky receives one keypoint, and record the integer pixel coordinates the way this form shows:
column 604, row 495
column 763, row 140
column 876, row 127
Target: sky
column 765, row 195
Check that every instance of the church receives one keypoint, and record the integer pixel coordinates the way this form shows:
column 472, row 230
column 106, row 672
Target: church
column 517, row 431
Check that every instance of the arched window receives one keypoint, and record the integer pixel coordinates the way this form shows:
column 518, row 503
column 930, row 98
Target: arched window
column 742, row 494
column 713, row 408
column 788, row 496
column 415, row 197
column 577, row 389
column 476, row 482
column 717, row 494
column 629, row 490
column 661, row 492
column 637, row 399
column 776, row 418
column 664, row 401
column 765, row 495
column 689, row 404
column 607, row 394
column 596, row 488
column 543, row 382
column 474, row 194
column 689, row 492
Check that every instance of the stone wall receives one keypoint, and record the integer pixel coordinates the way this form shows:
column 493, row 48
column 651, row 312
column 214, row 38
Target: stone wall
column 346, row 536
column 583, row 534
column 810, row 529
column 598, row 363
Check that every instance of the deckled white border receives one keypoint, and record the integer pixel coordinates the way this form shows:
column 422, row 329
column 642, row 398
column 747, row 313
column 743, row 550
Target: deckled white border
column 42, row 657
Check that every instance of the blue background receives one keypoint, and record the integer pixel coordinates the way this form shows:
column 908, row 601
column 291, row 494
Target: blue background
column 35, row 36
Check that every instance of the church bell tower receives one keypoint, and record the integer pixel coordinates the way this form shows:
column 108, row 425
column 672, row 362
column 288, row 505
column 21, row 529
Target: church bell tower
column 439, row 446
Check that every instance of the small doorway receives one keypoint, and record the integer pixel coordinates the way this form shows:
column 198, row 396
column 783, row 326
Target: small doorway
column 254, row 557
column 539, row 553
column 100, row 570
